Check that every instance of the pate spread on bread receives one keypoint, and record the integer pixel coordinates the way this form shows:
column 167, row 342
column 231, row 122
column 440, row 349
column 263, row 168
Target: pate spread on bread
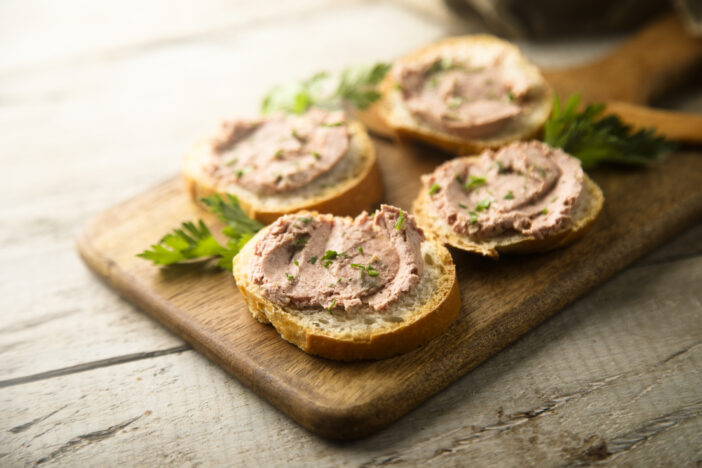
column 282, row 163
column 525, row 197
column 527, row 187
column 346, row 288
column 465, row 94
column 281, row 152
column 338, row 263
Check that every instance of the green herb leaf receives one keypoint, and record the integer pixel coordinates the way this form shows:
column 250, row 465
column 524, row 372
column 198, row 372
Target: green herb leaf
column 434, row 188
column 509, row 196
column 483, row 205
column 194, row 241
column 473, row 217
column 333, row 304
column 360, row 249
column 313, row 260
column 354, row 85
column 330, row 255
column 474, row 181
column 400, row 221
column 596, row 139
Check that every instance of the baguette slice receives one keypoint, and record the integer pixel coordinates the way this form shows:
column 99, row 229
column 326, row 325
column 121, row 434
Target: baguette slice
column 585, row 213
column 406, row 126
column 414, row 319
column 352, row 185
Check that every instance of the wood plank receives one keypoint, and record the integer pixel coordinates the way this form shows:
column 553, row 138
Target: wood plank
column 340, row 400
column 609, row 365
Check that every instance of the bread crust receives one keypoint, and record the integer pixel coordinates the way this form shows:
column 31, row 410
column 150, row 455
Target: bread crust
column 361, row 192
column 412, row 129
column 434, row 316
column 513, row 243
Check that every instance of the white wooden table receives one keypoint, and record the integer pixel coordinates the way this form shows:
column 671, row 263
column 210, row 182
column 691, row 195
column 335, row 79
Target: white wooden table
column 98, row 101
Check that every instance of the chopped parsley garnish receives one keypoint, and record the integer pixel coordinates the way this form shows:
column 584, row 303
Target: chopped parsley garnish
column 295, row 135
column 400, row 221
column 333, row 304
column 483, row 205
column 305, row 220
column 544, row 211
column 454, row 102
column 327, row 263
column 300, row 242
column 313, row 260
column 297, row 264
column 500, row 168
column 474, row 181
column 443, row 64
column 334, row 124
column 316, row 155
column 510, row 96
column 239, row 173
column 279, row 154
column 434, row 188
column 398, row 86
column 509, row 196
column 354, row 85
column 290, row 277
column 330, row 255
column 463, row 206
column 231, row 162
column 473, row 217
column 365, row 269
column 360, row 249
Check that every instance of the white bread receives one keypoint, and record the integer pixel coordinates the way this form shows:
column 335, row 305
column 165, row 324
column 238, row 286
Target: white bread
column 411, row 321
column 354, row 184
column 585, row 213
column 526, row 126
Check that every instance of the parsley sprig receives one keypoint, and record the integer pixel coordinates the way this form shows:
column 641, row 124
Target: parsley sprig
column 354, row 85
column 595, row 139
column 194, row 241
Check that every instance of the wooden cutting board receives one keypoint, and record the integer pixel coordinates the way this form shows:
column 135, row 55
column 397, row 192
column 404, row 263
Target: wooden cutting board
column 501, row 300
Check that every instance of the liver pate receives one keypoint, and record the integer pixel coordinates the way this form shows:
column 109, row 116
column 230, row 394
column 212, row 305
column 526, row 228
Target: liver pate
column 525, row 187
column 463, row 98
column 281, row 152
column 336, row 263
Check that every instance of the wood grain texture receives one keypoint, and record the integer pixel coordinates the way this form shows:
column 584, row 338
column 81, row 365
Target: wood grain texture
column 646, row 66
column 502, row 300
column 97, row 95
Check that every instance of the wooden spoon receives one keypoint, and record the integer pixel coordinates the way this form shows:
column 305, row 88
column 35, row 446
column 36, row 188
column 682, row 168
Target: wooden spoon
column 652, row 62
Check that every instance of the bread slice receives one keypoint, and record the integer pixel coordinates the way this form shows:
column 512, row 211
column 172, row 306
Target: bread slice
column 585, row 213
column 354, row 184
column 414, row 319
column 526, row 126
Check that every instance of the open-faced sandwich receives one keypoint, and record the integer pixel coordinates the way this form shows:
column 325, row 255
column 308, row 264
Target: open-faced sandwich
column 465, row 94
column 346, row 288
column 524, row 197
column 283, row 163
